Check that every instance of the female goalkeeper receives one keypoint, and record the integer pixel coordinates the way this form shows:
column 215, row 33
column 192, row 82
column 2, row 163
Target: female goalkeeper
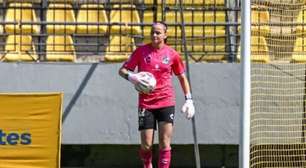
column 157, row 106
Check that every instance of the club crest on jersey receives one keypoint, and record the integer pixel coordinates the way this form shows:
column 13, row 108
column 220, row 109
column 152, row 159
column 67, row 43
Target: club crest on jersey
column 166, row 59
column 147, row 59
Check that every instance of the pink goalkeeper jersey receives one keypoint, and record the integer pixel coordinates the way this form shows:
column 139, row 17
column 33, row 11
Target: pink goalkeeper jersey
column 162, row 63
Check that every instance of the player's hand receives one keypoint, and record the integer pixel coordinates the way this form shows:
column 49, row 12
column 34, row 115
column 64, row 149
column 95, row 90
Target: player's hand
column 133, row 78
column 188, row 109
column 141, row 87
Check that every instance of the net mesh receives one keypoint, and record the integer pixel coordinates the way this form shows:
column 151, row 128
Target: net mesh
column 278, row 87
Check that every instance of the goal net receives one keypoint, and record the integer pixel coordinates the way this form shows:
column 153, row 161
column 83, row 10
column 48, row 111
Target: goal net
column 278, row 83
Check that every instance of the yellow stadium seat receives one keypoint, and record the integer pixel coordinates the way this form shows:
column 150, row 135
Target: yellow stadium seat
column 148, row 2
column 299, row 51
column 210, row 2
column 91, row 13
column 202, row 45
column 124, row 1
column 259, row 50
column 195, row 2
column 148, row 18
column 207, row 45
column 21, row 12
column 127, row 14
column 301, row 29
column 196, row 17
column 196, row 31
column 119, row 48
column 210, row 49
column 19, row 48
column 62, row 13
column 260, row 19
column 22, row 1
column 60, row 48
column 61, row 1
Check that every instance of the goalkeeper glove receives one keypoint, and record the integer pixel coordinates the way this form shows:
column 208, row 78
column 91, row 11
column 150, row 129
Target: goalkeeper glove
column 188, row 108
column 133, row 78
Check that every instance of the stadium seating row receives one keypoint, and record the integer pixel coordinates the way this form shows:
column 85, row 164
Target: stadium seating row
column 261, row 20
column 21, row 18
column 21, row 48
column 148, row 2
column 61, row 48
column 260, row 50
column 261, row 30
column 61, row 20
column 205, row 30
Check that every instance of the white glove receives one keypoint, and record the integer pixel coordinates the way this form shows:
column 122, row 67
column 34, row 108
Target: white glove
column 133, row 78
column 188, row 109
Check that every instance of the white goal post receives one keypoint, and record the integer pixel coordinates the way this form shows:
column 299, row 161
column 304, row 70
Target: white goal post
column 245, row 83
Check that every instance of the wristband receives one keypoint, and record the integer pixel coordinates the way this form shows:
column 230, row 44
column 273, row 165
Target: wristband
column 188, row 96
column 128, row 75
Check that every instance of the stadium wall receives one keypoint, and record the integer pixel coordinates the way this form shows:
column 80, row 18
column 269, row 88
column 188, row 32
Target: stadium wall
column 100, row 107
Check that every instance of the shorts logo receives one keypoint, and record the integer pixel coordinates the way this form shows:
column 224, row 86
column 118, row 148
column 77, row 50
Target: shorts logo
column 166, row 59
column 141, row 116
column 141, row 112
column 172, row 116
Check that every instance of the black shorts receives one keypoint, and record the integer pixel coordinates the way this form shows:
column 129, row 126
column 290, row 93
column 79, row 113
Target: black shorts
column 147, row 118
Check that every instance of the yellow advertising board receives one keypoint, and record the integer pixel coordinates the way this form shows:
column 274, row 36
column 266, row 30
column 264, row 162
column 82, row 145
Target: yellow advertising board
column 30, row 130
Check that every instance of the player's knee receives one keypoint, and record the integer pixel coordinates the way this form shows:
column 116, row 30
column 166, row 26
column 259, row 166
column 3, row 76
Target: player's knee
column 164, row 143
column 164, row 146
column 146, row 147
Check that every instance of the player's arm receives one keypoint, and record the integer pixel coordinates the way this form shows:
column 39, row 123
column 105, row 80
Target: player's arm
column 188, row 107
column 185, row 85
column 129, row 75
column 126, row 71
column 123, row 72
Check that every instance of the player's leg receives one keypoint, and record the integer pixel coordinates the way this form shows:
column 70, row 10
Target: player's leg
column 165, row 131
column 145, row 151
column 165, row 119
column 147, row 125
column 165, row 134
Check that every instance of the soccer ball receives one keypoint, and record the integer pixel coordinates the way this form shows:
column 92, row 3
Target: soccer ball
column 147, row 82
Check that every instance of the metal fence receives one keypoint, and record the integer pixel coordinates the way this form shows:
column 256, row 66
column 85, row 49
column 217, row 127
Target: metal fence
column 96, row 30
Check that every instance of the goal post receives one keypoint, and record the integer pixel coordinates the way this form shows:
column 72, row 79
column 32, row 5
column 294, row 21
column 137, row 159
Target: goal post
column 245, row 83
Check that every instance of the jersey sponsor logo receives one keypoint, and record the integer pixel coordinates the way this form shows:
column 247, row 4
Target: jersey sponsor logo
column 166, row 59
column 15, row 138
column 147, row 59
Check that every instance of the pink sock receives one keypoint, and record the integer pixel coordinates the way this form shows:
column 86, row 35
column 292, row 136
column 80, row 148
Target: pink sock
column 164, row 158
column 146, row 157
